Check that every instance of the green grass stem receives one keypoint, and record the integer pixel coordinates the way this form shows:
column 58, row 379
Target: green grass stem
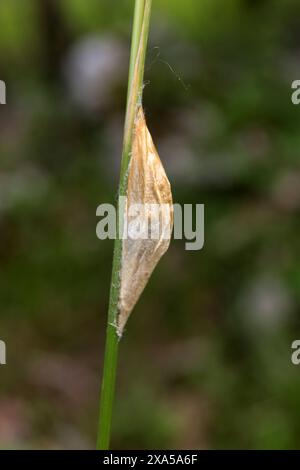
column 140, row 34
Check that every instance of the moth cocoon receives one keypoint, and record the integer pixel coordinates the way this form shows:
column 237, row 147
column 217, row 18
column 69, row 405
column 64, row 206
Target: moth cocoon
column 148, row 219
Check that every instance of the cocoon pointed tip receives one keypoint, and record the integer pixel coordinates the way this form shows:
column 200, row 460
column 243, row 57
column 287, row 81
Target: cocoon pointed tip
column 148, row 219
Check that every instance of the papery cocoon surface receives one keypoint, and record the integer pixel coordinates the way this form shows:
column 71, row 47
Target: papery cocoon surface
column 148, row 219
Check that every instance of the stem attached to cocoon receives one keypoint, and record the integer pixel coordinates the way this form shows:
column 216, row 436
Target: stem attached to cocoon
column 138, row 154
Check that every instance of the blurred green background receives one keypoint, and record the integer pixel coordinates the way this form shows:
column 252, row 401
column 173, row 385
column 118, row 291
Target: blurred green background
column 206, row 358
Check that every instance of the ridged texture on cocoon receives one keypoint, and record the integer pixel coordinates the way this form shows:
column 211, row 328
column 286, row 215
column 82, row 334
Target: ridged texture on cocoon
column 147, row 184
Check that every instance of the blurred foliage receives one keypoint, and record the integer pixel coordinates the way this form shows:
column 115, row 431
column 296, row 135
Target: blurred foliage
column 205, row 361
